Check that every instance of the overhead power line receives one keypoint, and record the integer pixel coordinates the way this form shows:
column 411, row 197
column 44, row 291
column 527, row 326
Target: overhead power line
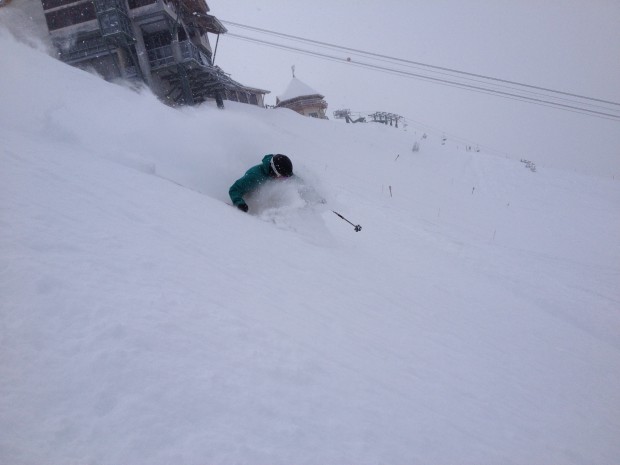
column 510, row 95
column 476, row 82
column 441, row 68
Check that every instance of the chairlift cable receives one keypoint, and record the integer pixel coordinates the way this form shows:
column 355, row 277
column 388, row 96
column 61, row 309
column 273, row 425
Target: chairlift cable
column 512, row 96
column 411, row 62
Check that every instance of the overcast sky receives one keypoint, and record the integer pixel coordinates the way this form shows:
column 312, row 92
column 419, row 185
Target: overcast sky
column 568, row 45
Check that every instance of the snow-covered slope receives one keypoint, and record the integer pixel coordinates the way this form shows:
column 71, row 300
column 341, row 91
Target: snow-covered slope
column 473, row 320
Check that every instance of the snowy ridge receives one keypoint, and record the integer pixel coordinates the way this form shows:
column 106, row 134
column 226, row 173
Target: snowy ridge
column 144, row 321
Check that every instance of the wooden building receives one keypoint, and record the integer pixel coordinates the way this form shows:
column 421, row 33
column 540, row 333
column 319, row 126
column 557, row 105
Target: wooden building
column 303, row 99
column 164, row 43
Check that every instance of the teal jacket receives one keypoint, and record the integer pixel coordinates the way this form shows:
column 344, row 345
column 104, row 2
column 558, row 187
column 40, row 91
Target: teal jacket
column 250, row 181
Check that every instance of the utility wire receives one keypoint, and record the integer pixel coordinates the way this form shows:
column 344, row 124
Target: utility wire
column 410, row 62
column 476, row 80
column 510, row 95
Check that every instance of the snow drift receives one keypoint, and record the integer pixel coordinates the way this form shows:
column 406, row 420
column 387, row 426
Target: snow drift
column 145, row 321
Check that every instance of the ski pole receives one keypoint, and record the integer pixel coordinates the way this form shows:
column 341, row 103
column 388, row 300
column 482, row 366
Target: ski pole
column 357, row 227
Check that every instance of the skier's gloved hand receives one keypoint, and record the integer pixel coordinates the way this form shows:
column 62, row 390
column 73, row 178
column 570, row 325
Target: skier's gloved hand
column 243, row 207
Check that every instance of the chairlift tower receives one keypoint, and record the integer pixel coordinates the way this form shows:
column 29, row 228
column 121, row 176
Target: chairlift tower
column 386, row 118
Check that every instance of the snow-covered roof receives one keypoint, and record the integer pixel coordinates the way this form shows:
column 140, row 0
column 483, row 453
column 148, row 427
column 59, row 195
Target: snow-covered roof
column 295, row 89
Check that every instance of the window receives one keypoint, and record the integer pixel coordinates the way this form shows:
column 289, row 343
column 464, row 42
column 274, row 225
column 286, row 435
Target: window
column 157, row 39
column 182, row 34
column 49, row 4
column 71, row 15
column 138, row 3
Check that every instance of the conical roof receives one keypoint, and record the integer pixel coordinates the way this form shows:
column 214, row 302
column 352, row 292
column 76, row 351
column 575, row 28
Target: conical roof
column 295, row 89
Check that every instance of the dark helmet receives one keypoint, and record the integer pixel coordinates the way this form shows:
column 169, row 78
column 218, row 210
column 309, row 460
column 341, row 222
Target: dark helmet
column 281, row 165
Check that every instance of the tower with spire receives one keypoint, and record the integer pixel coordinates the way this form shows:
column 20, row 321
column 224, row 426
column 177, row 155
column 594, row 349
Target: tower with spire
column 303, row 99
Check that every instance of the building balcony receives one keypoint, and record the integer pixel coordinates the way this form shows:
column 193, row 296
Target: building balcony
column 163, row 57
column 116, row 26
column 84, row 48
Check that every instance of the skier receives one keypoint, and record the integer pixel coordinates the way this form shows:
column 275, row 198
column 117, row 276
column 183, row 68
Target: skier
column 272, row 167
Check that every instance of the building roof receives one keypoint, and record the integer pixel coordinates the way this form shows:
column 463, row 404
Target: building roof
column 231, row 84
column 195, row 13
column 295, row 89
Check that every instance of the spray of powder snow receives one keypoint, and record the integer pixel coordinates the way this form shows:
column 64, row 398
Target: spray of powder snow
column 293, row 205
column 25, row 21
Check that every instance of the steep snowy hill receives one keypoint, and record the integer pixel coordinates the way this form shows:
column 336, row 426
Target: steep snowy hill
column 473, row 320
